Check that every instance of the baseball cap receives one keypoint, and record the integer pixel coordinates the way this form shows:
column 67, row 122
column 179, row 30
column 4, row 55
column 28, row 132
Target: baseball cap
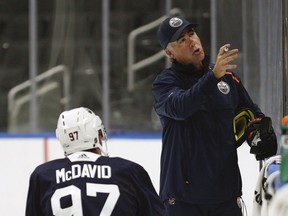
column 171, row 29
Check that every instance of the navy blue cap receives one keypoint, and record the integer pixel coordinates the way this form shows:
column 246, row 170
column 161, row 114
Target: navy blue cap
column 171, row 29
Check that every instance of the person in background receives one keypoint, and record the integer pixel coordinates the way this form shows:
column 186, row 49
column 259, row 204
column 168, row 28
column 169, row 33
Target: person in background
column 197, row 102
column 87, row 181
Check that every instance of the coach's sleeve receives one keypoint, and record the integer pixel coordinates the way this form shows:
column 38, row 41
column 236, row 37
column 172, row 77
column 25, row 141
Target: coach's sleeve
column 172, row 100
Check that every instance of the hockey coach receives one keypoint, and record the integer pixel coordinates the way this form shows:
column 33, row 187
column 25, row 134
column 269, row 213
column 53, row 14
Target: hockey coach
column 205, row 113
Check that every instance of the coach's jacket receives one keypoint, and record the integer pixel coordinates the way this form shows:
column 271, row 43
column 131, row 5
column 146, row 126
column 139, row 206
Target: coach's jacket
column 199, row 161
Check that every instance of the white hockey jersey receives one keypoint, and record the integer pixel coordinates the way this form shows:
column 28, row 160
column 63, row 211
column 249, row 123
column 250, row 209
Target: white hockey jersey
column 264, row 190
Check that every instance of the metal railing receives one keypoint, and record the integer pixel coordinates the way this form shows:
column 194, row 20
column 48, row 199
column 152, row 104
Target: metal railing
column 16, row 97
column 133, row 66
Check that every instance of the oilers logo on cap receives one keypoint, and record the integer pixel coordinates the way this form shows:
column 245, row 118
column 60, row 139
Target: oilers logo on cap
column 175, row 22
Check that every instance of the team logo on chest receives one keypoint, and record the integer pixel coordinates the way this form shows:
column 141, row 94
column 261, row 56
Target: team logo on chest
column 223, row 87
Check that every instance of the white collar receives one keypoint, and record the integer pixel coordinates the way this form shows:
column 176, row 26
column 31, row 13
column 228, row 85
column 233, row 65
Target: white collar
column 83, row 156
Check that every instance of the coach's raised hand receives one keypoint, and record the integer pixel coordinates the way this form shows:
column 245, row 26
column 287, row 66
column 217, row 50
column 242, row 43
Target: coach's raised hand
column 224, row 57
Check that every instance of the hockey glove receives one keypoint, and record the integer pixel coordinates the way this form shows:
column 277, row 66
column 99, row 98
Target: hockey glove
column 262, row 138
column 240, row 124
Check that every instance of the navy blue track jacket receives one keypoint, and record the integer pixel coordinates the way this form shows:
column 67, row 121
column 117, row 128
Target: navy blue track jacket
column 199, row 161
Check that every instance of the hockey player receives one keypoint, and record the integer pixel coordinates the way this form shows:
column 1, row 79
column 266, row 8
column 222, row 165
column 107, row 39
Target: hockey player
column 197, row 102
column 86, row 182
